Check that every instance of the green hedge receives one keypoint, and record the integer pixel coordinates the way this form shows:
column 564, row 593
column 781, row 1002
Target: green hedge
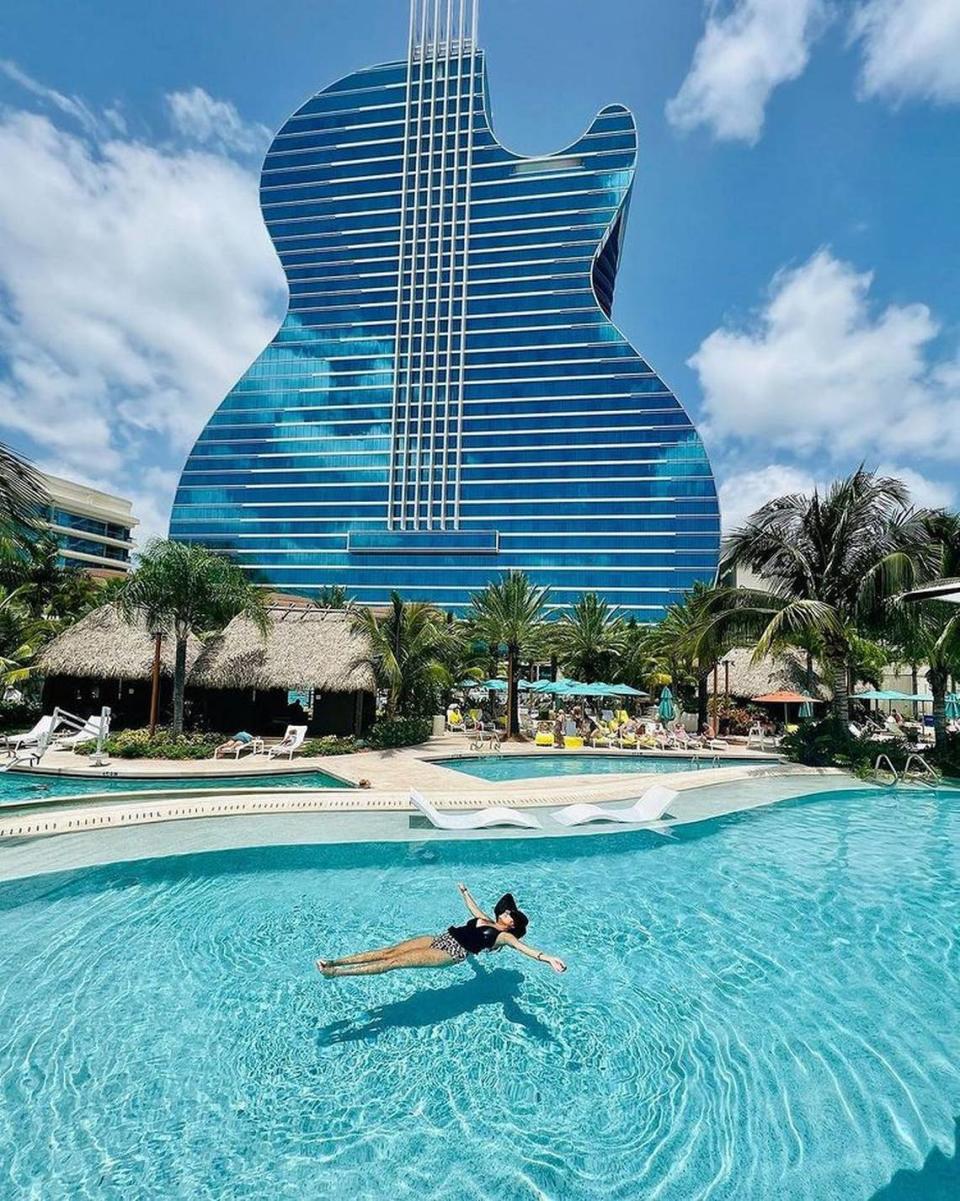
column 829, row 743
column 405, row 731
column 331, row 744
column 137, row 744
column 17, row 716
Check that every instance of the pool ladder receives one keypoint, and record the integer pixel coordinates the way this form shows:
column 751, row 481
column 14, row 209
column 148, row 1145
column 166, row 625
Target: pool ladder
column 923, row 773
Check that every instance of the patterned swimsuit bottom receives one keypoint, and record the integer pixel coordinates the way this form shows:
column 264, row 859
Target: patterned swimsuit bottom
column 446, row 942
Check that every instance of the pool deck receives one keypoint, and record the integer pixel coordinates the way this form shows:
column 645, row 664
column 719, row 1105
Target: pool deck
column 408, row 767
column 33, row 837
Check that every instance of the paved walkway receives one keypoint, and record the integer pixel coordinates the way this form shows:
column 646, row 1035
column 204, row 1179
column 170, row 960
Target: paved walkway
column 408, row 767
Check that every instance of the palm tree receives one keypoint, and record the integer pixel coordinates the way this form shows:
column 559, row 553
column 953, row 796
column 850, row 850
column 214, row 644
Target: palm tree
column 589, row 641
column 830, row 561
column 407, row 646
column 47, row 589
column 511, row 612
column 21, row 635
column 689, row 644
column 929, row 631
column 22, row 496
column 187, row 589
column 333, row 596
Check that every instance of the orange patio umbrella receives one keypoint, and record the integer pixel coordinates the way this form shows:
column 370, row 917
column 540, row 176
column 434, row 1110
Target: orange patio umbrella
column 785, row 699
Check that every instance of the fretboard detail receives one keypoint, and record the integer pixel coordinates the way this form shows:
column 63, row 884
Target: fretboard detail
column 442, row 93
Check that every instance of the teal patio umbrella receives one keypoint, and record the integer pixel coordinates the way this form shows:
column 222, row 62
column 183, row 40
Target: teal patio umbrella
column 953, row 706
column 623, row 690
column 806, row 709
column 666, row 710
column 493, row 685
column 882, row 694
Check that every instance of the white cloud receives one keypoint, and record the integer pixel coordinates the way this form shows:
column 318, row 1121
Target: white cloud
column 911, row 49
column 215, row 123
column 742, row 493
column 136, row 284
column 821, row 373
column 924, row 492
column 71, row 106
column 746, row 51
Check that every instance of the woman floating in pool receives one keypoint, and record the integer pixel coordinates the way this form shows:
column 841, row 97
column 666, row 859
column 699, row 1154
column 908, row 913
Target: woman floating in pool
column 481, row 933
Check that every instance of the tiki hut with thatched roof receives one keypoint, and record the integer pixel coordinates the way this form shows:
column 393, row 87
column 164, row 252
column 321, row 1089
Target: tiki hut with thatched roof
column 311, row 668
column 739, row 677
column 104, row 660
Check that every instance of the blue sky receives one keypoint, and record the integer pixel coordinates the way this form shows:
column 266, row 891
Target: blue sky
column 791, row 261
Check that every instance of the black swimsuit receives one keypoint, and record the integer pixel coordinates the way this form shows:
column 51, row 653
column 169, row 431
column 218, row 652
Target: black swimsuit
column 469, row 939
column 475, row 938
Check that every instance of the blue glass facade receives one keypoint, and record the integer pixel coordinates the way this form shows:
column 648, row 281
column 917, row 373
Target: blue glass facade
column 447, row 396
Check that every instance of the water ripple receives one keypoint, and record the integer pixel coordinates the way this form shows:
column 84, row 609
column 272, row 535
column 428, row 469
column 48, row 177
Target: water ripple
column 763, row 1007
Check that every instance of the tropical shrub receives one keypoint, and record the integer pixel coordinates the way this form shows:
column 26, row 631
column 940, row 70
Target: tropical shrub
column 404, row 731
column 137, row 744
column 947, row 755
column 18, row 715
column 331, row 744
column 734, row 719
column 829, row 743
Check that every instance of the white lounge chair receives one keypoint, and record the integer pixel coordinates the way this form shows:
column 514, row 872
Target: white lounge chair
column 292, row 741
column 254, row 746
column 18, row 742
column 496, row 815
column 649, row 808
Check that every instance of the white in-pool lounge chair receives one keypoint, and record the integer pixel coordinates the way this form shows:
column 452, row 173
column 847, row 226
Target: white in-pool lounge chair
column 649, row 808
column 496, row 815
column 291, row 741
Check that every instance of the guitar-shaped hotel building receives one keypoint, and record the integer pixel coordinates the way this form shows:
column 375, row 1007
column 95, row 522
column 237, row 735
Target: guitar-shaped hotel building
column 447, row 396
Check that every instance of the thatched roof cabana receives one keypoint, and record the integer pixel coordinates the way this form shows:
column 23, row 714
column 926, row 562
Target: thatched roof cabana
column 304, row 647
column 784, row 672
column 103, row 646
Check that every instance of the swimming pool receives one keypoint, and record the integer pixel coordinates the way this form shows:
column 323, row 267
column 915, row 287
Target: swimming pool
column 763, row 1006
column 16, row 787
column 533, row 766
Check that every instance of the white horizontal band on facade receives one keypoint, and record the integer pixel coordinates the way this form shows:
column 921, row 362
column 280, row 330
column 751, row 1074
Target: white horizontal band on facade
column 539, row 245
column 338, row 294
column 335, row 376
column 477, row 504
column 504, row 552
column 499, row 165
column 345, row 303
column 247, row 486
column 248, row 473
column 536, row 203
column 514, row 546
column 538, row 212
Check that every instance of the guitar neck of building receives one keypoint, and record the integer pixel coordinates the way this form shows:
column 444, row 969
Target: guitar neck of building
column 443, row 95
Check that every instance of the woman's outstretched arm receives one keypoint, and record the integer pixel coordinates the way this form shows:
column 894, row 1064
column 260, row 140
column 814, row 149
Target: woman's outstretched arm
column 510, row 940
column 471, row 904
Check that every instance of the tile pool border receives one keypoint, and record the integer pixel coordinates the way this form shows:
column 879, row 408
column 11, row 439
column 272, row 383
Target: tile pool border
column 317, row 820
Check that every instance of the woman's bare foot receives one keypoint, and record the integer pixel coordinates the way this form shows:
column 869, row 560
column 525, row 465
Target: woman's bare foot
column 324, row 967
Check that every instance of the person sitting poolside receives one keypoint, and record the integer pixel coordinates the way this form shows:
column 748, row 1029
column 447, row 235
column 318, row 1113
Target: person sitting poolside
column 233, row 745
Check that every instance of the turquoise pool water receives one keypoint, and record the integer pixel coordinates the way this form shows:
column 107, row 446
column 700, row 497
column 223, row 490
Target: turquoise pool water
column 17, row 787
column 762, row 1008
column 561, row 763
